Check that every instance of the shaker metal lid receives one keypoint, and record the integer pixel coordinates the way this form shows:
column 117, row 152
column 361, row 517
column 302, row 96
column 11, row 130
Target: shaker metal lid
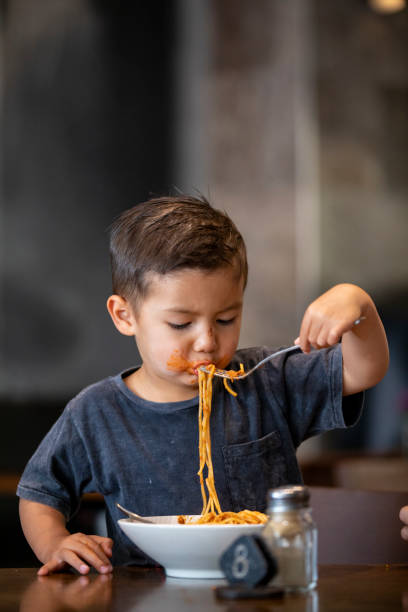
column 288, row 496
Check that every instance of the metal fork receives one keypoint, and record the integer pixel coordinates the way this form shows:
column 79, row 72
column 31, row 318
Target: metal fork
column 224, row 373
column 134, row 516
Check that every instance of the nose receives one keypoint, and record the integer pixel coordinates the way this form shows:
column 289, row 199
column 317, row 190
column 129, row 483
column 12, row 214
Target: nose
column 206, row 341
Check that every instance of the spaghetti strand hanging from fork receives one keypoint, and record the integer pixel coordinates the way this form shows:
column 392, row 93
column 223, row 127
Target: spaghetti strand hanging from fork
column 211, row 512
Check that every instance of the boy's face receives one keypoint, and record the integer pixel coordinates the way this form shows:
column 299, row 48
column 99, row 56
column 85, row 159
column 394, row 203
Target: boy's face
column 189, row 318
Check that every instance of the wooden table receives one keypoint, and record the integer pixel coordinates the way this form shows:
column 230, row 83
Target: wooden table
column 341, row 588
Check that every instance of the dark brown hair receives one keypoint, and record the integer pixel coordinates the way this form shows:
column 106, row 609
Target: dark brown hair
column 170, row 233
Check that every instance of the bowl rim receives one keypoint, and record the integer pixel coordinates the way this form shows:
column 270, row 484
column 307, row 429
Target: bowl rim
column 129, row 521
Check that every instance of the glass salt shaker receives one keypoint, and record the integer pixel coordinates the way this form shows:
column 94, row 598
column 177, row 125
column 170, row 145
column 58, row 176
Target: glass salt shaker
column 291, row 535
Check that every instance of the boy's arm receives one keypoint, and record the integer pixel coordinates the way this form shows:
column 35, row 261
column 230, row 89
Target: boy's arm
column 365, row 349
column 44, row 528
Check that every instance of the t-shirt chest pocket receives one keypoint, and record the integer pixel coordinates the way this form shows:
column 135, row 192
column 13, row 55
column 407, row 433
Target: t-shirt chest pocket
column 251, row 468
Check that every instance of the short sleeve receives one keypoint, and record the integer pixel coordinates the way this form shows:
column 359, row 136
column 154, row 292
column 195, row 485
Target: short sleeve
column 58, row 472
column 312, row 385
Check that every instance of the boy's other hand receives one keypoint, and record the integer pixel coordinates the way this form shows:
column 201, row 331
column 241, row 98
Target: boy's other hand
column 81, row 552
column 404, row 518
column 330, row 316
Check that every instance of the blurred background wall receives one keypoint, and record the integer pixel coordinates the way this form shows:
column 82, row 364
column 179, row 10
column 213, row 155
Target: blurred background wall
column 291, row 115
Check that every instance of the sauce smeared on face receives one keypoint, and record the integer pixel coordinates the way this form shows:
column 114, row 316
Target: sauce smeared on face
column 178, row 363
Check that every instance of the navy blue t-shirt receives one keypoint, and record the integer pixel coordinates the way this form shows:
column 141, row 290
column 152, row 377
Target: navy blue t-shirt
column 144, row 454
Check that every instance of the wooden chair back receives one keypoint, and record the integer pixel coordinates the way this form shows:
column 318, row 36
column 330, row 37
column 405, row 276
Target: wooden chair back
column 356, row 526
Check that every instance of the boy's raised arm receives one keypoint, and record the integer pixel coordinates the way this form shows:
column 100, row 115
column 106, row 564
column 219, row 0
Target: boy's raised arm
column 365, row 349
column 44, row 528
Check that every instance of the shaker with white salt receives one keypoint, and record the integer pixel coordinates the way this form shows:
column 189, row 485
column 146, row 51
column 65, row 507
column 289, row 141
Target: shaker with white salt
column 291, row 536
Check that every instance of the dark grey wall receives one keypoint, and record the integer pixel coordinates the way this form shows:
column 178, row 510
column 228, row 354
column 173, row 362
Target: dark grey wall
column 362, row 90
column 86, row 120
column 301, row 134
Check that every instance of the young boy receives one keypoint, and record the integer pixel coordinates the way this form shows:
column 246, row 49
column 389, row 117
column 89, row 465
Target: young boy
column 179, row 272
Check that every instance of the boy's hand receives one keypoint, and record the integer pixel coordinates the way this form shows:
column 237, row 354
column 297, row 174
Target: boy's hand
column 404, row 518
column 330, row 316
column 80, row 552
column 364, row 347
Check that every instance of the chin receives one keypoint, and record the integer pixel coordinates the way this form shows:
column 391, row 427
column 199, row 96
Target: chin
column 190, row 379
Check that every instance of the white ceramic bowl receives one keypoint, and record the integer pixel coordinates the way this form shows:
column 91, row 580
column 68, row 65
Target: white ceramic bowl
column 185, row 551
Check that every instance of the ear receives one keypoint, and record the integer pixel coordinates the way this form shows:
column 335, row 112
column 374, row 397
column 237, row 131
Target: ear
column 121, row 314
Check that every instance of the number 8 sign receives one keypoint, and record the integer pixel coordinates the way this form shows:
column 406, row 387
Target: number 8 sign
column 248, row 561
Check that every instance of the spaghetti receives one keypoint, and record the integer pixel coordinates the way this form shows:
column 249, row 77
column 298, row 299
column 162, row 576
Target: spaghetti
column 211, row 511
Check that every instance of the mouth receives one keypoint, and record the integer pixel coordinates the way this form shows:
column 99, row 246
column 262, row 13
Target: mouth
column 179, row 363
column 197, row 364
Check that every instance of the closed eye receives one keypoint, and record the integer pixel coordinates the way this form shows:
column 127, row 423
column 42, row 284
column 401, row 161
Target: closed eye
column 226, row 321
column 178, row 325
